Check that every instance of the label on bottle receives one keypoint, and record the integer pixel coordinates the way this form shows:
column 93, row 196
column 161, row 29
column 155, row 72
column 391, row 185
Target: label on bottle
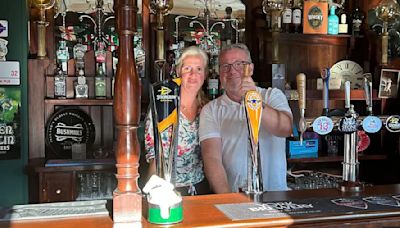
column 356, row 25
column 315, row 17
column 287, row 16
column 100, row 90
column 297, row 16
column 81, row 91
column 213, row 86
column 343, row 28
column 60, row 86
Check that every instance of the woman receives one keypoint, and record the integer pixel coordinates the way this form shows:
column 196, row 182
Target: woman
column 191, row 68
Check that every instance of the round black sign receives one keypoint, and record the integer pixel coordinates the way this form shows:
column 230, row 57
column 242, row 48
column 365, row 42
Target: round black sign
column 66, row 127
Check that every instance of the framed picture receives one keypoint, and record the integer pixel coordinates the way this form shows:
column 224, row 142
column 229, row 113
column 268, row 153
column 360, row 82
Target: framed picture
column 389, row 83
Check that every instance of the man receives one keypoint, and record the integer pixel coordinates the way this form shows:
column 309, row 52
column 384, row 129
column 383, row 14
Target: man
column 223, row 129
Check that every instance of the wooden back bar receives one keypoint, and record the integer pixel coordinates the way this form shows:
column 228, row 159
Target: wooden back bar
column 127, row 198
column 200, row 211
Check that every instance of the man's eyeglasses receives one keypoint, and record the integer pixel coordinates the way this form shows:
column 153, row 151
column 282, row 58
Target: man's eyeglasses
column 238, row 66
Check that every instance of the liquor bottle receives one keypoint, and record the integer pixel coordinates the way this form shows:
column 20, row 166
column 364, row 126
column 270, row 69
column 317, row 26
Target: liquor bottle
column 297, row 13
column 357, row 18
column 62, row 56
column 140, row 58
column 113, row 39
column 81, row 88
column 343, row 26
column 100, row 54
column 287, row 17
column 100, row 82
column 333, row 22
column 60, row 85
column 79, row 51
column 213, row 84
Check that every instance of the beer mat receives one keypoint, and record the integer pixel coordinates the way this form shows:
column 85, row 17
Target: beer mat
column 54, row 210
column 74, row 162
column 312, row 207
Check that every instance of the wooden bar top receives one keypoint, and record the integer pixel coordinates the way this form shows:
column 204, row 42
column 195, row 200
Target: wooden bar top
column 200, row 211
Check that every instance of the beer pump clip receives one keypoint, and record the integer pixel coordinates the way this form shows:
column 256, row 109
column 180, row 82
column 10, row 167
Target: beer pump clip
column 301, row 89
column 392, row 123
column 371, row 123
column 253, row 110
column 323, row 125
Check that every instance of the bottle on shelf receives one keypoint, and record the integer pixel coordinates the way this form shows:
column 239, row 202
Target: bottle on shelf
column 62, row 56
column 81, row 88
column 79, row 51
column 60, row 85
column 343, row 26
column 113, row 47
column 100, row 55
column 100, row 82
column 287, row 17
column 297, row 12
column 357, row 18
column 333, row 22
column 213, row 84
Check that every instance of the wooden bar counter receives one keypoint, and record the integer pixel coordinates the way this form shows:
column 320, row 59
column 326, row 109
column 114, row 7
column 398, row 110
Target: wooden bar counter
column 200, row 211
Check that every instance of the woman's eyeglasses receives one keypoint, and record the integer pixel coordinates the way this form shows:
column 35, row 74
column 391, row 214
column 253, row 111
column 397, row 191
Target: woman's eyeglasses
column 188, row 69
column 238, row 66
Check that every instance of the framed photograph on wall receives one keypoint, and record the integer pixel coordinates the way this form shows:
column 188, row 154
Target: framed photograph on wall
column 389, row 83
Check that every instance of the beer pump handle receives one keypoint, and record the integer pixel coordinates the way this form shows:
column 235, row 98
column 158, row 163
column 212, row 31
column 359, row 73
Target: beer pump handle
column 325, row 75
column 301, row 89
column 366, row 92
column 370, row 97
column 347, row 94
column 246, row 70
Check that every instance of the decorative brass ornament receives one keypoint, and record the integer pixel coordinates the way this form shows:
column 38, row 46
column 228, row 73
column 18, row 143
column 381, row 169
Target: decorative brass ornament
column 161, row 8
column 42, row 5
column 387, row 11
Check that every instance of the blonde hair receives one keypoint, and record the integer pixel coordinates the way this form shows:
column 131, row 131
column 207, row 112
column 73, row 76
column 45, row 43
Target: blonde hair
column 201, row 98
column 191, row 51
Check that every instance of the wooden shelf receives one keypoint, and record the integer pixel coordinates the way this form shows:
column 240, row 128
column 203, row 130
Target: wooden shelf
column 335, row 158
column 315, row 38
column 84, row 102
column 355, row 94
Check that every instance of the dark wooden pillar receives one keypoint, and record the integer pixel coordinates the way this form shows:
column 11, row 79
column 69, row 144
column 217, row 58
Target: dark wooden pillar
column 127, row 200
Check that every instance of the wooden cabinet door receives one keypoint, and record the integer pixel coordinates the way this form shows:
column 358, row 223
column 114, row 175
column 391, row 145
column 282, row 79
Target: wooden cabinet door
column 57, row 186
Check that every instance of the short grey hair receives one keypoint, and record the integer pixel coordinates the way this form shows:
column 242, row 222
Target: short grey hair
column 240, row 46
column 192, row 51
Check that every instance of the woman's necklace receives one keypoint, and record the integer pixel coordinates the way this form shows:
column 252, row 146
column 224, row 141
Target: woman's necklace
column 189, row 111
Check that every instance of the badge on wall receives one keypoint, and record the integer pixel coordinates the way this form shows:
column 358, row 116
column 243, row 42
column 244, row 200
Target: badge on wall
column 3, row 49
column 3, row 28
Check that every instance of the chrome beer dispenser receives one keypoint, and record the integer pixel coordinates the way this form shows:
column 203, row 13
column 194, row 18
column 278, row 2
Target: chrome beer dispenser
column 348, row 125
column 165, row 102
column 253, row 109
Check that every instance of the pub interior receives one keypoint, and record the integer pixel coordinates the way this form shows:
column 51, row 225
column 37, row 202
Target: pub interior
column 78, row 79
